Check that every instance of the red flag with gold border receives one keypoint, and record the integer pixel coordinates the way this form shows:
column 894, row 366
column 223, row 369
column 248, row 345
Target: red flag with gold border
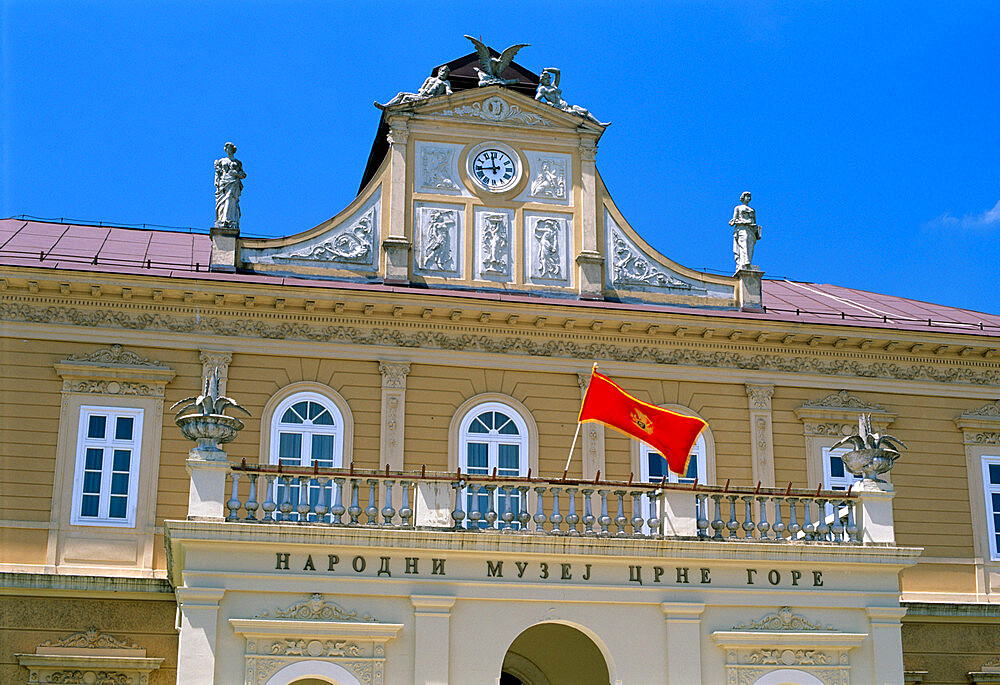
column 671, row 434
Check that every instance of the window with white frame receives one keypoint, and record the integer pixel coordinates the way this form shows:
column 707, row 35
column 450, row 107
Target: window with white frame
column 306, row 429
column 835, row 474
column 493, row 435
column 653, row 467
column 991, row 487
column 106, row 478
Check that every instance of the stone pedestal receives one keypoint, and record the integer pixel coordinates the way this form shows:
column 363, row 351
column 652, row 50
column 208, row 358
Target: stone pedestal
column 207, row 493
column 748, row 295
column 874, row 515
column 397, row 260
column 677, row 513
column 225, row 249
column 590, row 272
column 433, row 505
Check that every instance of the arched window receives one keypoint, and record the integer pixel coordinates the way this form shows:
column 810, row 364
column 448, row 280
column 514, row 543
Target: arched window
column 493, row 435
column 653, row 467
column 307, row 429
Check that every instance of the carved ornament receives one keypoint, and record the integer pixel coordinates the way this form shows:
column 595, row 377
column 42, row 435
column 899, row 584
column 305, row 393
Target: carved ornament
column 317, row 609
column 353, row 244
column 760, row 396
column 117, row 355
column 436, row 165
column 844, row 400
column 550, row 181
column 88, row 678
column 783, row 619
column 91, row 638
column 496, row 109
column 495, row 238
column 788, row 657
column 394, row 374
column 314, row 648
column 991, row 410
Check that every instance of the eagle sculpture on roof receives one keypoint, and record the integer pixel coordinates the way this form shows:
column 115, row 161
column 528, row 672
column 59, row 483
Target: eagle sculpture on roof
column 493, row 68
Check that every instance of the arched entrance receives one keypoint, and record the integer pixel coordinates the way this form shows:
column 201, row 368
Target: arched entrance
column 554, row 654
column 313, row 673
column 788, row 676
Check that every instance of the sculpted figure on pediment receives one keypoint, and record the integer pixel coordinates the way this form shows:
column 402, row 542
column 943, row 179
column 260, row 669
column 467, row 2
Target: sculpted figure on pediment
column 228, row 187
column 433, row 85
column 550, row 93
column 492, row 69
column 746, row 232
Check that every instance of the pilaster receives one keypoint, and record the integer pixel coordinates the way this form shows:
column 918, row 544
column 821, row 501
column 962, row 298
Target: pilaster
column 396, row 245
column 589, row 261
column 887, row 643
column 593, row 437
column 432, row 638
column 683, row 641
column 761, row 433
column 199, row 617
column 393, row 413
column 216, row 359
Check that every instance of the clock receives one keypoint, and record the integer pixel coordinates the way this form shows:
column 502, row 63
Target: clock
column 494, row 167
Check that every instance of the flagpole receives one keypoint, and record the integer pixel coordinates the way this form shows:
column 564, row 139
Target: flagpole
column 573, row 446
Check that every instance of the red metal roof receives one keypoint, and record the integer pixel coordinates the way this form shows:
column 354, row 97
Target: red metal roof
column 149, row 252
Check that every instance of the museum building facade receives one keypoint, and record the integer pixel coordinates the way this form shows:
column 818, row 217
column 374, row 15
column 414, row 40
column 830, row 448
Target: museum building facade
column 395, row 507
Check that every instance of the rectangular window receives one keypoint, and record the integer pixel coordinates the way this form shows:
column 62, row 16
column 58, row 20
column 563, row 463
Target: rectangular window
column 991, row 486
column 107, row 466
column 835, row 475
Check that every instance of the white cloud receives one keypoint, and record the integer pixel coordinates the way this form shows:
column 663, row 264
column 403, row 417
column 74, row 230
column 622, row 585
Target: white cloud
column 985, row 220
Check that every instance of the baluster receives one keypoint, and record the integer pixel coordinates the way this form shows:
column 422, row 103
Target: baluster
column 654, row 512
column 371, row 511
column 620, row 519
column 252, row 505
column 234, row 500
column 405, row 512
column 604, row 519
column 717, row 523
column 748, row 524
column 556, row 518
column 355, row 509
column 321, row 508
column 793, row 523
column 571, row 518
column 286, row 499
column 304, row 506
column 269, row 504
column 588, row 516
column 387, row 511
column 808, row 527
column 507, row 517
column 539, row 517
column 837, row 529
column 475, row 509
column 338, row 510
column 636, row 519
column 853, row 534
column 701, row 510
column 458, row 513
column 763, row 526
column 523, row 516
column 732, row 524
column 823, row 528
column 491, row 512
column 779, row 525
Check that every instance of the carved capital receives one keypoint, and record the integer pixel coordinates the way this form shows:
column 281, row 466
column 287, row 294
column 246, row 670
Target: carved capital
column 583, row 379
column 588, row 150
column 760, row 396
column 394, row 374
column 399, row 131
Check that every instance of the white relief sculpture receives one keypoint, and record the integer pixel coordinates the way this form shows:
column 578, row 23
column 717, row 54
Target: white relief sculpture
column 551, row 180
column 437, row 168
column 433, row 86
column 630, row 267
column 317, row 608
column 492, row 69
column 494, row 243
column 352, row 245
column 495, row 108
column 437, row 240
column 782, row 619
column 228, row 187
column 550, row 93
column 746, row 232
column 843, row 400
column 548, row 256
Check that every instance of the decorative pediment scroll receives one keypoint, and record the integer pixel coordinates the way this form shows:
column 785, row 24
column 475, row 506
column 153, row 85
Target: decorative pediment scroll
column 352, row 244
column 981, row 426
column 89, row 657
column 115, row 355
column 114, row 371
column 316, row 609
column 782, row 619
column 496, row 109
column 836, row 415
column 844, row 400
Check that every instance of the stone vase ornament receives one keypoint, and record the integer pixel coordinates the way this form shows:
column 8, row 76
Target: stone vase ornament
column 873, row 453
column 206, row 422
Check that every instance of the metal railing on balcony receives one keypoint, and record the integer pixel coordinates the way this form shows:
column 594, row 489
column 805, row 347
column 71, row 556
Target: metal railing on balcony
column 537, row 506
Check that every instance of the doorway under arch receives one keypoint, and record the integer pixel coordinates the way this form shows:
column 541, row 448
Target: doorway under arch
column 313, row 672
column 554, row 654
column 788, row 676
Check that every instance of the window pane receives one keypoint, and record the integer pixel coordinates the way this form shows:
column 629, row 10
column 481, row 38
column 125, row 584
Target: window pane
column 88, row 506
column 478, row 456
column 117, row 508
column 96, row 426
column 692, row 470
column 119, row 484
column 94, row 459
column 996, row 502
column 506, row 425
column 657, row 466
column 322, row 450
column 509, row 458
column 121, row 460
column 92, row 481
column 302, row 409
column 836, row 467
column 323, row 418
column 290, row 447
column 290, row 417
column 995, row 474
column 123, row 427
column 478, row 424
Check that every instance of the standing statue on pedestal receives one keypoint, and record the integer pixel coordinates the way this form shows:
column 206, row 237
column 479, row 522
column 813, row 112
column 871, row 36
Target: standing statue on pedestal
column 228, row 186
column 746, row 232
column 433, row 85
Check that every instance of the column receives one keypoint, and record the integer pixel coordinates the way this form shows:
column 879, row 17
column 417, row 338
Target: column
column 593, row 436
column 761, row 436
column 396, row 244
column 683, row 641
column 432, row 638
column 887, row 644
column 215, row 359
column 393, row 413
column 199, row 609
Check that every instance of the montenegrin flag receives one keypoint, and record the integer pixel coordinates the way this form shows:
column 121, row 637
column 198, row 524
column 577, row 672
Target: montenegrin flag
column 670, row 434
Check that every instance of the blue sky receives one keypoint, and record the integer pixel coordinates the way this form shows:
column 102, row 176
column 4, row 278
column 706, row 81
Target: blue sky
column 867, row 132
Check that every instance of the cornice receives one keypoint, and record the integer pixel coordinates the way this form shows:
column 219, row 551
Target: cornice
column 455, row 330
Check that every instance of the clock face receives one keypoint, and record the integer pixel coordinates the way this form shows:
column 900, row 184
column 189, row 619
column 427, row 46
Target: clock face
column 494, row 169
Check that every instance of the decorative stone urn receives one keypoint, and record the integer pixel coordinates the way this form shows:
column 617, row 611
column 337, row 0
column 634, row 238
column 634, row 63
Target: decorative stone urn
column 873, row 453
column 206, row 422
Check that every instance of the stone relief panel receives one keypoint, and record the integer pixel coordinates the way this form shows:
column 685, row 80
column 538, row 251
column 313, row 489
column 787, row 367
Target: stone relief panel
column 496, row 109
column 437, row 168
column 352, row 244
column 549, row 178
column 547, row 248
column 494, row 230
column 438, row 238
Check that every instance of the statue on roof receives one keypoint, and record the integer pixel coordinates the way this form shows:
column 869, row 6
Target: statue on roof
column 228, row 186
column 433, row 86
column 550, row 93
column 746, row 232
column 492, row 68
